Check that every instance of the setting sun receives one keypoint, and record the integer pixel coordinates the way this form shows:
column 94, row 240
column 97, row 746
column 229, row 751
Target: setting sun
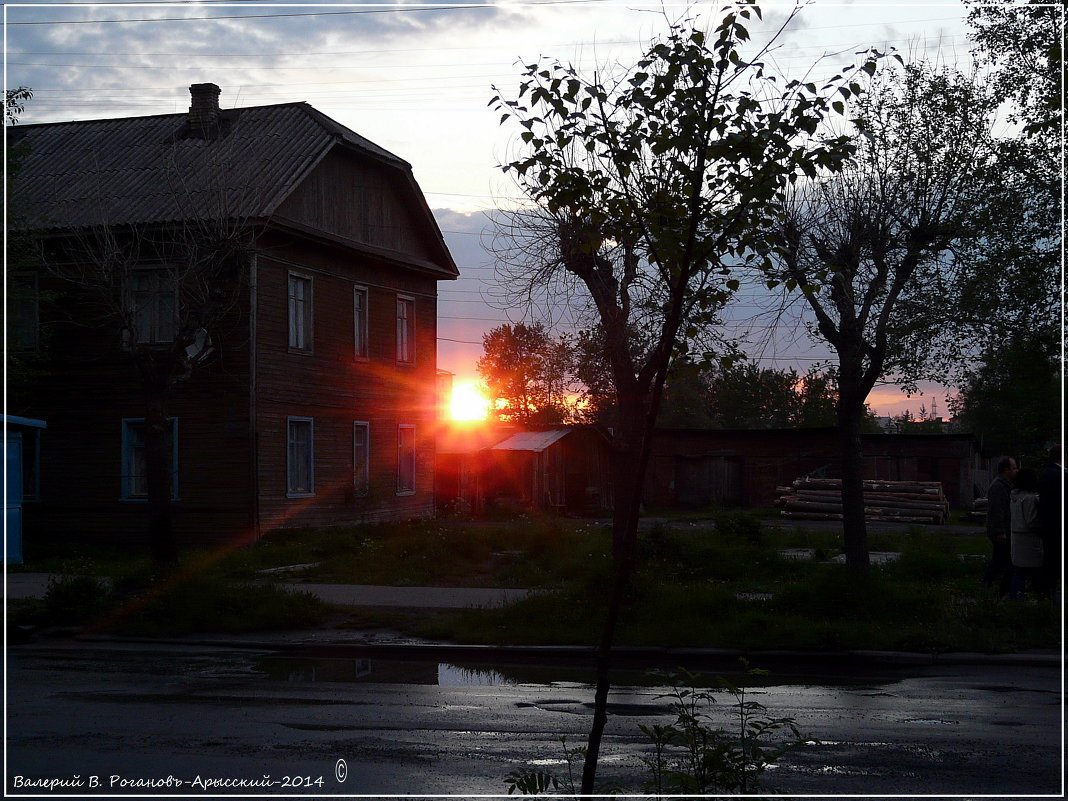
column 468, row 403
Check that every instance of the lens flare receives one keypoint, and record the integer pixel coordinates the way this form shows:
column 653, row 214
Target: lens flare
column 468, row 403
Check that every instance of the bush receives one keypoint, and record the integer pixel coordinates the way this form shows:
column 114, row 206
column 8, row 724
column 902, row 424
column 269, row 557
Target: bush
column 209, row 604
column 740, row 527
column 75, row 600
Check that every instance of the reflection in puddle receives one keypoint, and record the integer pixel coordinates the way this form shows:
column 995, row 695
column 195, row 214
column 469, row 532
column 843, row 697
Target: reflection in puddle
column 381, row 671
column 482, row 674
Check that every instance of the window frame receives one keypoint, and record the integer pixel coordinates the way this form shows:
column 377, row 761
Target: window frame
column 126, row 475
column 299, row 339
column 361, row 436
column 156, row 336
column 361, row 346
column 310, row 458
column 406, row 453
column 405, row 332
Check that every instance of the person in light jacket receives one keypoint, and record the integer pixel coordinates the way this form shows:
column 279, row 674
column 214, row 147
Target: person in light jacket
column 1026, row 535
column 998, row 524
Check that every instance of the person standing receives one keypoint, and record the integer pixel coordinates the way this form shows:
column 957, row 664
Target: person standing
column 1025, row 542
column 998, row 525
column 1051, row 516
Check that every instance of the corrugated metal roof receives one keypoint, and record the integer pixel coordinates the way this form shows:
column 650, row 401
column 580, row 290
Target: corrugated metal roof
column 468, row 440
column 535, row 441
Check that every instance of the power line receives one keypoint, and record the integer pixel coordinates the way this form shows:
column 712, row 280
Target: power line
column 460, row 341
column 391, row 10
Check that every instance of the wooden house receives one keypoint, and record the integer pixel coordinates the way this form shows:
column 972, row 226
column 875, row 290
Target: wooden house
column 311, row 400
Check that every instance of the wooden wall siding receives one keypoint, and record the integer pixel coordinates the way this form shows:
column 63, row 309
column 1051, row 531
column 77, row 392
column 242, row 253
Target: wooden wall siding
column 572, row 475
column 771, row 458
column 88, row 386
column 335, row 388
column 358, row 199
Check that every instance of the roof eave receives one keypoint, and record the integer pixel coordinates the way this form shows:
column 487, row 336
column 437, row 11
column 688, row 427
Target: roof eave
column 445, row 273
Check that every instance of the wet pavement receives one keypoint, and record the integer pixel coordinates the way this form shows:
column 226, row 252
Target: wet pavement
column 391, row 715
column 34, row 585
column 145, row 713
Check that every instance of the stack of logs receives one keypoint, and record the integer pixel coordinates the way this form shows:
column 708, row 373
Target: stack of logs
column 891, row 501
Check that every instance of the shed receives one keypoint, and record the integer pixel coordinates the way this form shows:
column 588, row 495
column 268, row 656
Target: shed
column 559, row 469
column 22, row 450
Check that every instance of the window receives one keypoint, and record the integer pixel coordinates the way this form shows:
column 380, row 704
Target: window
column 359, row 322
column 152, row 304
column 405, row 329
column 134, row 463
column 361, row 457
column 22, row 311
column 300, row 464
column 300, row 312
column 405, row 459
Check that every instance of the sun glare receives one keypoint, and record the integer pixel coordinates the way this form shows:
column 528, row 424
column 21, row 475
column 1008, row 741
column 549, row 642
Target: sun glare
column 468, row 404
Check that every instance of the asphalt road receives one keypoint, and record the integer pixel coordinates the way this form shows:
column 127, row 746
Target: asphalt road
column 138, row 719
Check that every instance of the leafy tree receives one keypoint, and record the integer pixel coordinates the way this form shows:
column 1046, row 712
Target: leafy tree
column 526, row 373
column 1012, row 399
column 1023, row 45
column 649, row 191
column 1001, row 303
column 747, row 396
column 686, row 397
column 857, row 243
column 597, row 393
column 15, row 103
column 818, row 392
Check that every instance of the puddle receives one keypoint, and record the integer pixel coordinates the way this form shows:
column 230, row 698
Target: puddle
column 381, row 671
column 368, row 670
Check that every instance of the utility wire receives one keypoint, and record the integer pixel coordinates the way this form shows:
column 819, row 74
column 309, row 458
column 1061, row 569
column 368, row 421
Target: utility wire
column 392, row 10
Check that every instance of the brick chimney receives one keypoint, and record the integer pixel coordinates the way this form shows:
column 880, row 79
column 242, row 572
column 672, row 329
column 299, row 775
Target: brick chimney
column 204, row 111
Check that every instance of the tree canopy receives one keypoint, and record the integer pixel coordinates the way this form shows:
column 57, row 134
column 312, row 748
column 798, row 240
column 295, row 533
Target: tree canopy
column 649, row 190
column 526, row 373
column 863, row 243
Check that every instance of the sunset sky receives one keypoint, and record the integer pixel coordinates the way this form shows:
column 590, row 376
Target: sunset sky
column 416, row 79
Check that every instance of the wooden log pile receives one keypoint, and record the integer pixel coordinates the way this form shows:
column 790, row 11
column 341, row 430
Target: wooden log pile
column 887, row 501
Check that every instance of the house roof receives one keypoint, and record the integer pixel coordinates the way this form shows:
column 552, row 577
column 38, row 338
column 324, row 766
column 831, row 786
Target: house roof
column 151, row 171
column 535, row 441
column 458, row 440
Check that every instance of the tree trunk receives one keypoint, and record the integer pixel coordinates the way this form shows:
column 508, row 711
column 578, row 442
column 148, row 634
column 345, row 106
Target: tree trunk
column 854, row 527
column 158, row 477
column 629, row 475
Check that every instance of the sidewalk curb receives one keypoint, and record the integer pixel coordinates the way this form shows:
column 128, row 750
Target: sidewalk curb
column 623, row 656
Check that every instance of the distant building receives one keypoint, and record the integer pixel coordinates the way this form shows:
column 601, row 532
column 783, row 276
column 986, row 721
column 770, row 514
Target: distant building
column 563, row 469
column 698, row 467
column 315, row 400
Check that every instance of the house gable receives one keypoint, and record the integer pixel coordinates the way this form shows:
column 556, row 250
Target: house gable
column 288, row 165
column 358, row 201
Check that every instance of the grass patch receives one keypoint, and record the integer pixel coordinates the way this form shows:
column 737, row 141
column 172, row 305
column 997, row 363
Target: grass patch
column 169, row 606
column 526, row 553
column 701, row 583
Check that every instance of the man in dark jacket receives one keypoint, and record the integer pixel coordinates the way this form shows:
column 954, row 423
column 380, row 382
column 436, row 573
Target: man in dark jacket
column 998, row 524
column 1050, row 515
